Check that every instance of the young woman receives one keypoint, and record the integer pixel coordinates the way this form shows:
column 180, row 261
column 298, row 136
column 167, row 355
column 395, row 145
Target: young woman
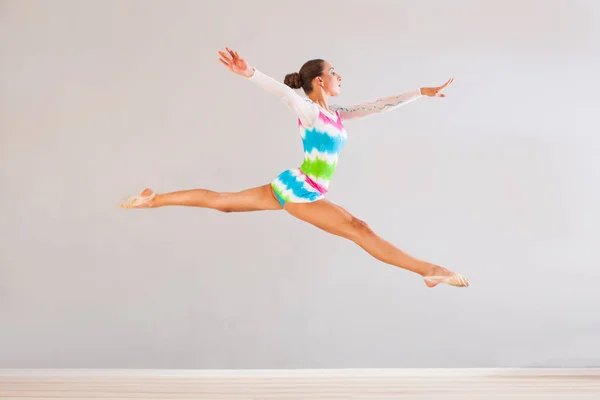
column 301, row 191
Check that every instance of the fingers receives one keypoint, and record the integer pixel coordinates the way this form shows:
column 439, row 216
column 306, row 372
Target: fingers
column 437, row 91
column 448, row 83
column 234, row 54
column 228, row 57
column 225, row 56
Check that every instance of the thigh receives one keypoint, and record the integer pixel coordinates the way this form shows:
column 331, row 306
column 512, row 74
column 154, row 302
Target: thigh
column 327, row 216
column 255, row 199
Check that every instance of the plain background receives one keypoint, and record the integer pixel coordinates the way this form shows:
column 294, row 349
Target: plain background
column 499, row 181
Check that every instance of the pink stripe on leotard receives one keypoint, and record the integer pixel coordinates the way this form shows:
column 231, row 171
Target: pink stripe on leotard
column 329, row 121
column 314, row 184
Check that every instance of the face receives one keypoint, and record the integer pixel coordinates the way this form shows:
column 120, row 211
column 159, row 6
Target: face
column 330, row 80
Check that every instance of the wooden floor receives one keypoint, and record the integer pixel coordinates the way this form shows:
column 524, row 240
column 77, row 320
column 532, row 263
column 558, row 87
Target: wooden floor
column 371, row 384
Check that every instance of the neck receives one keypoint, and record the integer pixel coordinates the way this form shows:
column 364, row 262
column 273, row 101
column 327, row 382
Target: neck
column 320, row 98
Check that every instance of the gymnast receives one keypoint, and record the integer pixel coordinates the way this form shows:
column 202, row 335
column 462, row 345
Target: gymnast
column 302, row 191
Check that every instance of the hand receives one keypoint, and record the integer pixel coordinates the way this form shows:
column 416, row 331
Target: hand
column 436, row 91
column 232, row 60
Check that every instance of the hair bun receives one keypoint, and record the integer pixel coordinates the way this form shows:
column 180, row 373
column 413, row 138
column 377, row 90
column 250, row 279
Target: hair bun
column 293, row 80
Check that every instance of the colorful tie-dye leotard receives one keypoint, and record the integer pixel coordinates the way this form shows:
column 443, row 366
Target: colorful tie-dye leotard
column 323, row 137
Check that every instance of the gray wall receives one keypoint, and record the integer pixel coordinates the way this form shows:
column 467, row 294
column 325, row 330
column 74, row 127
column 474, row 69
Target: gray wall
column 99, row 99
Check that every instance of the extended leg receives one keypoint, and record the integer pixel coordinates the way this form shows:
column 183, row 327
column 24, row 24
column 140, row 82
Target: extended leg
column 335, row 220
column 255, row 199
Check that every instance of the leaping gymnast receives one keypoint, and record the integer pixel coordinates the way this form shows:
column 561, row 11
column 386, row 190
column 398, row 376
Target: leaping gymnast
column 302, row 191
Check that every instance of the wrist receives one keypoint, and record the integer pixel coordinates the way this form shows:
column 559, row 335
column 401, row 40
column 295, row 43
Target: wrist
column 250, row 71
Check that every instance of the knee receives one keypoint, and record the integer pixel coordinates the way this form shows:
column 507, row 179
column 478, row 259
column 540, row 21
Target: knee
column 221, row 205
column 223, row 208
column 359, row 230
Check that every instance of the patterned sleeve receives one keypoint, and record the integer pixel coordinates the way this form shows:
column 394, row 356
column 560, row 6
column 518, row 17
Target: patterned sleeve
column 382, row 105
column 307, row 112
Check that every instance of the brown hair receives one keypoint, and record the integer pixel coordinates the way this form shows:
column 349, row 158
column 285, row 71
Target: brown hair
column 303, row 79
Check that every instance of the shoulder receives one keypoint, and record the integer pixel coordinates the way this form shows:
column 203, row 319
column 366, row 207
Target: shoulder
column 309, row 101
column 315, row 109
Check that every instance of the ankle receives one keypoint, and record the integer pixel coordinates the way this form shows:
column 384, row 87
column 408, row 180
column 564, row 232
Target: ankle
column 158, row 200
column 429, row 270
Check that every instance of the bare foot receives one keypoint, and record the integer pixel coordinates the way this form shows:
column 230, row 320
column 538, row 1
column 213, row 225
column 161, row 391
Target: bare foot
column 439, row 275
column 146, row 199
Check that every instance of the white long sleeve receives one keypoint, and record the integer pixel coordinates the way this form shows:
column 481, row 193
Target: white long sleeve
column 306, row 110
column 382, row 105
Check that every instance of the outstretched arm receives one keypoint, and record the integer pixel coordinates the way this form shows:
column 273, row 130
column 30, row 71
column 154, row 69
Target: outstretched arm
column 382, row 105
column 389, row 103
column 306, row 112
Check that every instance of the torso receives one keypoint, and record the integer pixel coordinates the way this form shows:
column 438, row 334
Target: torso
column 322, row 144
